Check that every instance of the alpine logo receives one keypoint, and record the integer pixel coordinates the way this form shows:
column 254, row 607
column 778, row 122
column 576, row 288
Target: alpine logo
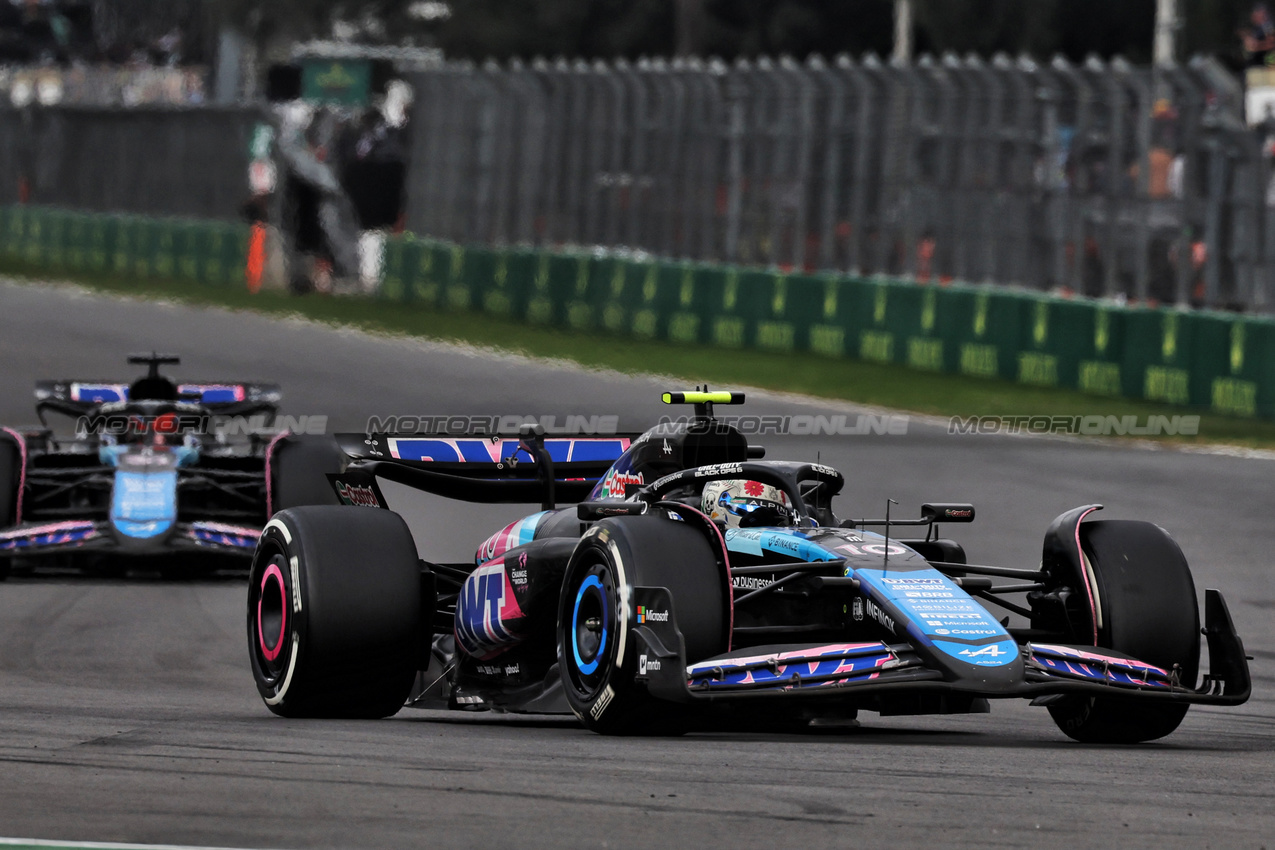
column 993, row 651
column 357, row 494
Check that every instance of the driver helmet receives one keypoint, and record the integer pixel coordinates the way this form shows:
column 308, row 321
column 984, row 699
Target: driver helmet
column 743, row 504
column 164, row 430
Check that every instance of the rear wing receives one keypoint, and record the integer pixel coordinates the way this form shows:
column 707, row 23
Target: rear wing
column 490, row 469
column 75, row 398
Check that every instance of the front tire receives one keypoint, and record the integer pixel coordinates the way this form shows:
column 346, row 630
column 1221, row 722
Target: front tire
column 596, row 650
column 1146, row 600
column 10, row 481
column 10, row 476
column 334, row 612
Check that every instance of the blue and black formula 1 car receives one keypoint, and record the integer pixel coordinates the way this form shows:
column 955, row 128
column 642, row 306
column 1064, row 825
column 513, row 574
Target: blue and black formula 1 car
column 695, row 582
column 147, row 471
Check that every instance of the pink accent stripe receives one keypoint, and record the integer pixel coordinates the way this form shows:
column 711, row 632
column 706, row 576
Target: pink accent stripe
column 1080, row 558
column 1067, row 651
column 508, row 534
column 815, row 655
column 269, row 482
column 33, row 530
column 22, row 475
column 730, row 587
column 223, row 528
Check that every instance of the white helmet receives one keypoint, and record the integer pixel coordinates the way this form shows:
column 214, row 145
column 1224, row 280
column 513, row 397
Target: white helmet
column 743, row 504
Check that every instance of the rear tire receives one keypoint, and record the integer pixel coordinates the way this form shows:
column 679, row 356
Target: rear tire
column 598, row 663
column 299, row 470
column 1147, row 601
column 334, row 612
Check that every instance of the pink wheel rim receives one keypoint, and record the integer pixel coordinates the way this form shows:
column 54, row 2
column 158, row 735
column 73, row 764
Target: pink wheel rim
column 272, row 572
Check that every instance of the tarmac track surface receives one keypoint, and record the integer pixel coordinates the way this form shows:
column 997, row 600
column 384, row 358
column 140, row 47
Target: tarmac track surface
column 128, row 713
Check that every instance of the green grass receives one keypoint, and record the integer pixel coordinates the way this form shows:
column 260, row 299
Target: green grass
column 882, row 385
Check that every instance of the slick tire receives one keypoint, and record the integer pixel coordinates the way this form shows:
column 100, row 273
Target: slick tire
column 10, row 473
column 298, row 473
column 10, row 476
column 596, row 653
column 335, row 617
column 1148, row 610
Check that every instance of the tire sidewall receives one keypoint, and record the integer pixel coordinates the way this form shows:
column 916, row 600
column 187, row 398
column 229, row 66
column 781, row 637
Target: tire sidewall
column 279, row 547
column 591, row 695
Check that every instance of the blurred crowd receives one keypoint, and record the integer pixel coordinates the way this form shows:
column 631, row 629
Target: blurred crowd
column 102, row 52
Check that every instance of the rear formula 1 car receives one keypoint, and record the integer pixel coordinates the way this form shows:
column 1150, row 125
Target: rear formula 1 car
column 669, row 598
column 146, row 472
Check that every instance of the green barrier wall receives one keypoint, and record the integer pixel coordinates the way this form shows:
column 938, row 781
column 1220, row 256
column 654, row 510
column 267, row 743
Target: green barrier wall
column 129, row 246
column 1221, row 362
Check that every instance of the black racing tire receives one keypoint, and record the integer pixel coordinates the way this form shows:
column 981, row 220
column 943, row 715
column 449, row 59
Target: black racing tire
column 1148, row 611
column 599, row 664
column 334, row 612
column 10, row 475
column 10, row 480
column 298, row 473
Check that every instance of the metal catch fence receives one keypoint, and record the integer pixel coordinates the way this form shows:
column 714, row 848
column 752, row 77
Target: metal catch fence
column 1104, row 179
column 156, row 161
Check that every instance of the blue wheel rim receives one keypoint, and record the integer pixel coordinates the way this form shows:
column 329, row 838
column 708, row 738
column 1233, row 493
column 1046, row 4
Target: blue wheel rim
column 588, row 668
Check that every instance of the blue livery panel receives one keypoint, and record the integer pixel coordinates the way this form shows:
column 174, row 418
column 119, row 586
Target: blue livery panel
column 500, row 450
column 205, row 393
column 144, row 504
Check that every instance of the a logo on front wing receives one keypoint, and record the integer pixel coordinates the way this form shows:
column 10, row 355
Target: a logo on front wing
column 993, row 651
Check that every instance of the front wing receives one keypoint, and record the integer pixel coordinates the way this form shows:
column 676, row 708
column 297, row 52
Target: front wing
column 862, row 670
column 74, row 536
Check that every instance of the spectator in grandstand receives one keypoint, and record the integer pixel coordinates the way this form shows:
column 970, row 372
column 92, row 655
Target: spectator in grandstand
column 1259, row 36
